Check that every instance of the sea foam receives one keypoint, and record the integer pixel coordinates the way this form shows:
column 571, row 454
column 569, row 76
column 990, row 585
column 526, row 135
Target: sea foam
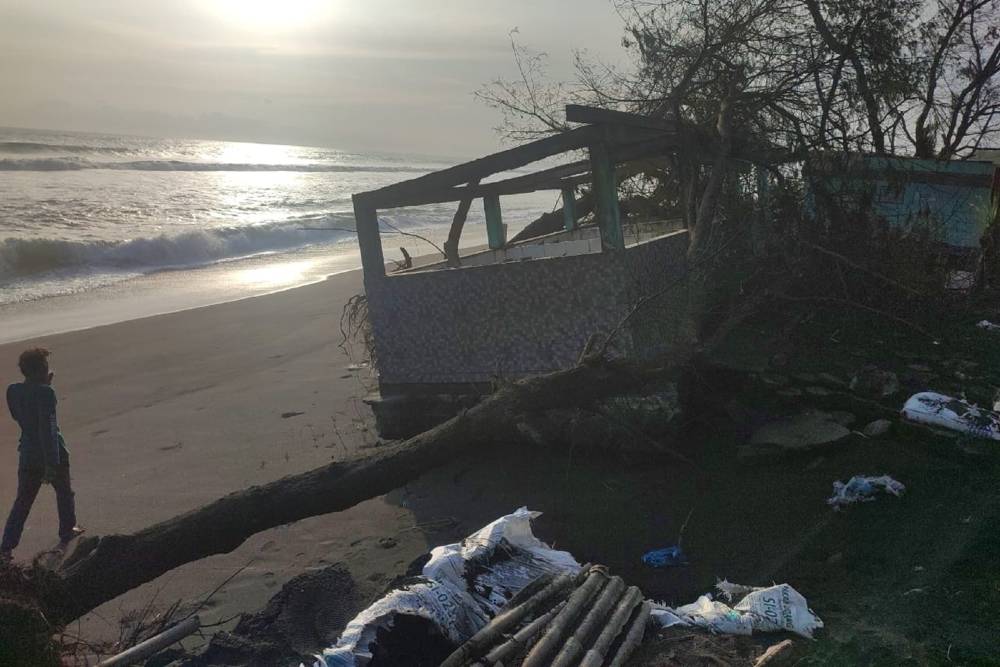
column 22, row 257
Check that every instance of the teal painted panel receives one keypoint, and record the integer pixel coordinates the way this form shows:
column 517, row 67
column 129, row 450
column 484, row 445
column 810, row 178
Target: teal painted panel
column 496, row 235
column 606, row 198
column 569, row 208
column 951, row 198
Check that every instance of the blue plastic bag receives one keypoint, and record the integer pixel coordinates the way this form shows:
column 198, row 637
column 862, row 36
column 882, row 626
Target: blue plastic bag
column 668, row 557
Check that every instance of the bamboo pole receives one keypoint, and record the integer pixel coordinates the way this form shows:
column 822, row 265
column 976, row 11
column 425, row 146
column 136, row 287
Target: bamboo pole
column 522, row 639
column 154, row 644
column 595, row 656
column 480, row 642
column 577, row 643
column 564, row 619
column 633, row 637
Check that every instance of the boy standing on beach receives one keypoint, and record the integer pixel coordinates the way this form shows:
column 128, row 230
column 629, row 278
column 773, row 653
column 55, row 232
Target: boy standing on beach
column 43, row 454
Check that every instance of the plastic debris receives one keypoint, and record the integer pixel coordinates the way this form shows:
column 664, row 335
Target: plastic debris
column 772, row 609
column 668, row 557
column 988, row 326
column 732, row 591
column 862, row 489
column 460, row 589
column 953, row 414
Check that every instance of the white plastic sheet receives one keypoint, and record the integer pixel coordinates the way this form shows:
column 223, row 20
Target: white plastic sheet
column 953, row 414
column 988, row 326
column 771, row 609
column 462, row 587
column 861, row 489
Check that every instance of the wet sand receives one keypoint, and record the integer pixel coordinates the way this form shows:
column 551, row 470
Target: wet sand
column 167, row 413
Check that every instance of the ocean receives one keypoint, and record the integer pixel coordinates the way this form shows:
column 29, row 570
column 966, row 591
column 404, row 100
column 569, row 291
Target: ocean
column 113, row 227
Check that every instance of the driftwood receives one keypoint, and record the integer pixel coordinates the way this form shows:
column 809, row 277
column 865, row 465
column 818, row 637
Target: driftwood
column 780, row 653
column 102, row 568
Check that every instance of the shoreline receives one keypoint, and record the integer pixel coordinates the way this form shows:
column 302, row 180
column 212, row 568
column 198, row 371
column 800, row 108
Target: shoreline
column 166, row 292
column 163, row 414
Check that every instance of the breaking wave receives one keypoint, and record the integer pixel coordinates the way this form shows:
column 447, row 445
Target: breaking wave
column 24, row 147
column 77, row 164
column 22, row 257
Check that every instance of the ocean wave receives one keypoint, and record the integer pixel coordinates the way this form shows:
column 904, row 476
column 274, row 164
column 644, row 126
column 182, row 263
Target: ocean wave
column 26, row 257
column 26, row 147
column 77, row 164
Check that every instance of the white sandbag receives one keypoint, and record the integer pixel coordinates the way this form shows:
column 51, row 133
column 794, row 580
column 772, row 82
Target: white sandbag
column 462, row 587
column 953, row 414
column 772, row 609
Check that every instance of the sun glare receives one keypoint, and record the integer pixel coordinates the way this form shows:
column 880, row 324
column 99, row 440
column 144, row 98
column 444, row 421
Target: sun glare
column 273, row 15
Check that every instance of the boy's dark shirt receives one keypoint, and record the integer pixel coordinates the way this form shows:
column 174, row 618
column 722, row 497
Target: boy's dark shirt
column 33, row 407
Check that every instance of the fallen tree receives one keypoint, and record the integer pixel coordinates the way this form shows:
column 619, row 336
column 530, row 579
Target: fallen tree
column 103, row 567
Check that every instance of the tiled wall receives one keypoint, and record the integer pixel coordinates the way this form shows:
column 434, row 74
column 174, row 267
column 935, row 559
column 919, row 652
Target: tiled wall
column 473, row 324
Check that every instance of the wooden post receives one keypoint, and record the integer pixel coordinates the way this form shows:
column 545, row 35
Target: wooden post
column 457, row 224
column 605, row 190
column 495, row 232
column 369, row 240
column 569, row 208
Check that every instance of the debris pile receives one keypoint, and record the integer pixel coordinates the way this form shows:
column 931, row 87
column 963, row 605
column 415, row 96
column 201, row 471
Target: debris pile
column 778, row 608
column 860, row 489
column 460, row 589
column 953, row 414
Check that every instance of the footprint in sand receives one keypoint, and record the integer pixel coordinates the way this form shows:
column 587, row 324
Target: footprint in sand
column 270, row 546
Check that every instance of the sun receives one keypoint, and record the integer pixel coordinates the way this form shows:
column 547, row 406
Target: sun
column 273, row 15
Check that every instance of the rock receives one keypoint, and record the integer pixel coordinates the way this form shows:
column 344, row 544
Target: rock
column 800, row 433
column 815, row 463
column 305, row 616
column 831, row 380
column 774, row 379
column 877, row 428
column 842, row 417
column 875, row 383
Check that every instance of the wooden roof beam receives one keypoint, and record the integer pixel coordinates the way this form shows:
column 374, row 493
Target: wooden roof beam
column 577, row 113
column 483, row 167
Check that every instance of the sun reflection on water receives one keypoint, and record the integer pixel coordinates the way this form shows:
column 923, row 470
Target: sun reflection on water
column 275, row 276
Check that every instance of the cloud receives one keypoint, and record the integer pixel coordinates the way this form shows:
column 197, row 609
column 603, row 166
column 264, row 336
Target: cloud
column 382, row 74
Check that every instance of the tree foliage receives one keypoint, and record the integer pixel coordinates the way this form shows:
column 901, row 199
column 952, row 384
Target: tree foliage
column 885, row 76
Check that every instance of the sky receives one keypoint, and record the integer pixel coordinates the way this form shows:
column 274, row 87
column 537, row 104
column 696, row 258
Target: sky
column 386, row 75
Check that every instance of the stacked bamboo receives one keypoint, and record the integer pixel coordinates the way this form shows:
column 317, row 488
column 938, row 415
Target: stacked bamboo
column 588, row 620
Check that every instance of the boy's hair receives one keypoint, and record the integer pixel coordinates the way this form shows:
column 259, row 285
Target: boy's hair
column 34, row 362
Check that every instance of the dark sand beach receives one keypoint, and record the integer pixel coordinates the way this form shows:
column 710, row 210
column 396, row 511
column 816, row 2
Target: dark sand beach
column 166, row 413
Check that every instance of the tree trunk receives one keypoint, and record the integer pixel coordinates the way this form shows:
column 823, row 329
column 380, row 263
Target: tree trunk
column 549, row 223
column 102, row 568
